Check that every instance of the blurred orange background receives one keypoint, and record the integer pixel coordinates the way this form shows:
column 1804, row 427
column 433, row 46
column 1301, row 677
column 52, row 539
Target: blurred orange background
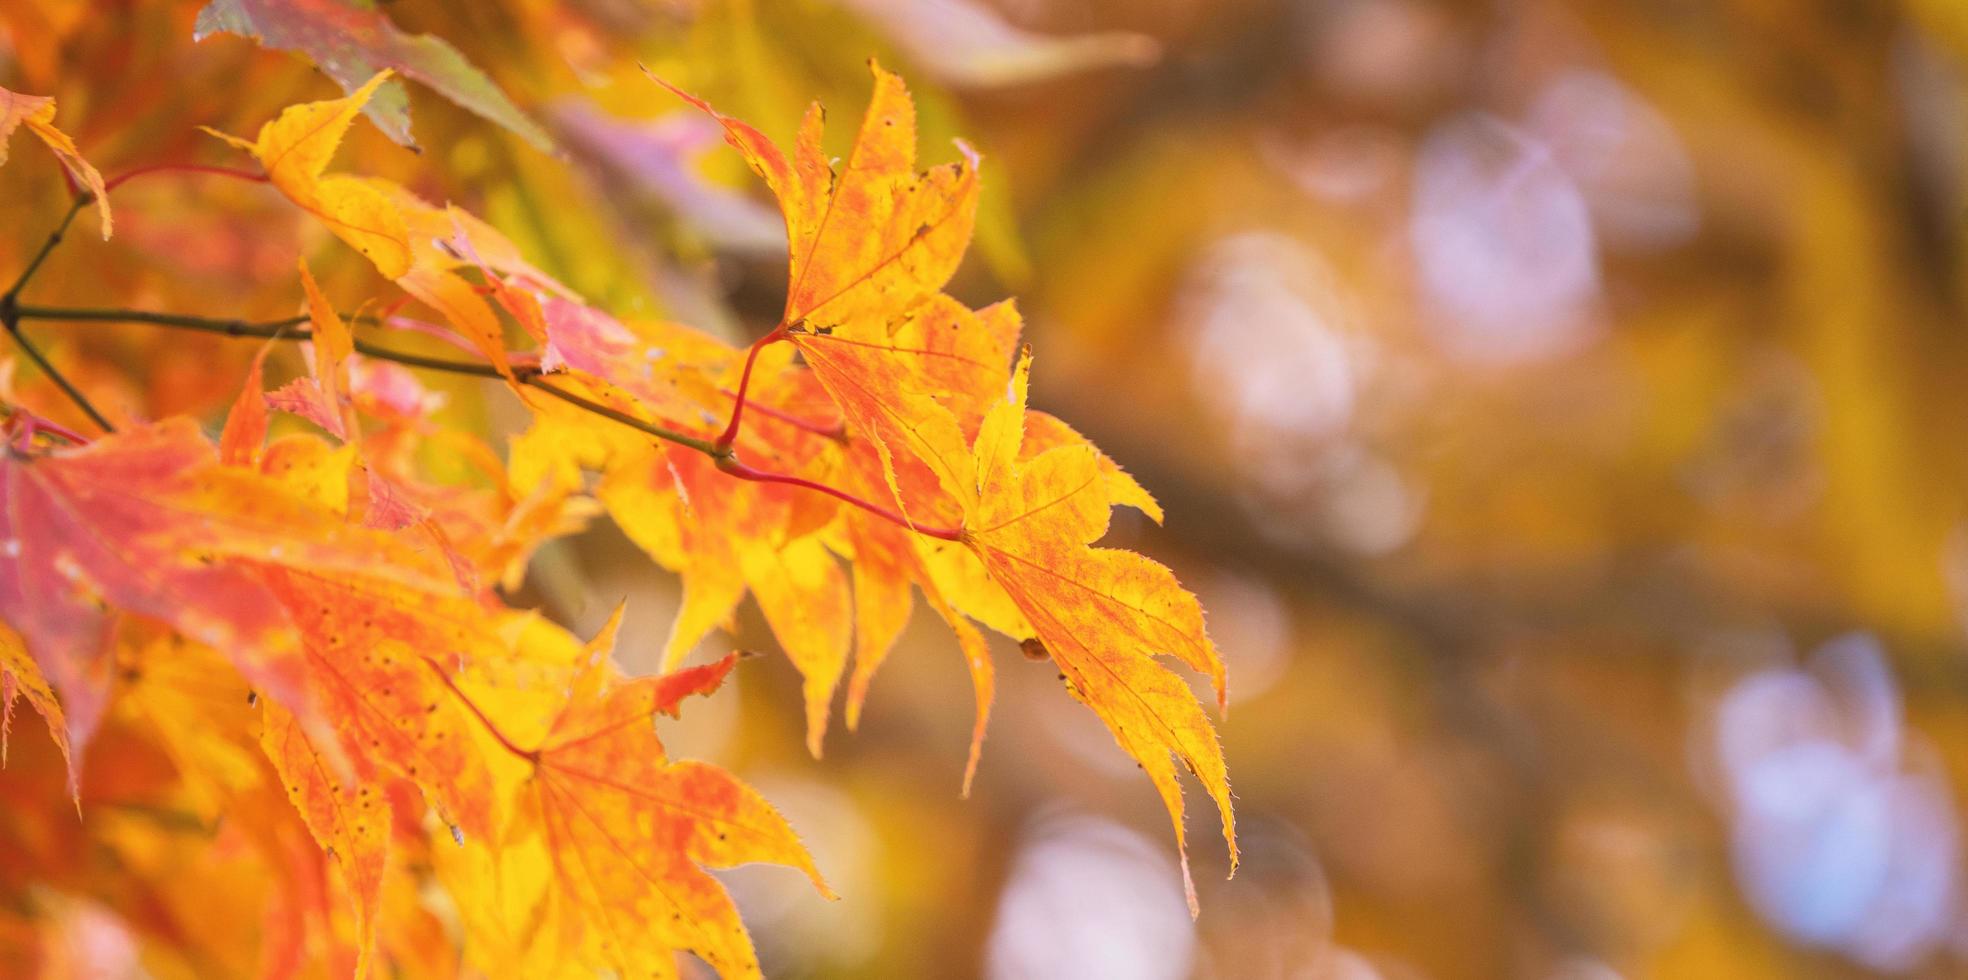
column 1557, row 405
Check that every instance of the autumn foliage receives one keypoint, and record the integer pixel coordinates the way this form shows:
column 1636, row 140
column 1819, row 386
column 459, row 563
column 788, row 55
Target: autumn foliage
column 316, row 623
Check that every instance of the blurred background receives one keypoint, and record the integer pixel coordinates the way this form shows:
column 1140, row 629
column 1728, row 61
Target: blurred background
column 1557, row 405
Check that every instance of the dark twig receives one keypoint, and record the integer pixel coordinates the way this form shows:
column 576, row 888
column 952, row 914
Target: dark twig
column 68, row 387
column 54, row 239
column 10, row 317
column 279, row 330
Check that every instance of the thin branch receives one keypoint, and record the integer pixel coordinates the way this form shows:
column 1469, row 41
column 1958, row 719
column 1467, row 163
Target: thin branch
column 531, row 377
column 264, row 329
column 10, row 316
column 691, row 442
column 54, row 239
column 278, row 330
column 68, row 387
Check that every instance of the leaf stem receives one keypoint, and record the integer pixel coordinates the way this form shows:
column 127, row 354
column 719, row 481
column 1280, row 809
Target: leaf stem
column 182, row 168
column 31, row 424
column 836, row 432
column 731, row 465
column 730, row 432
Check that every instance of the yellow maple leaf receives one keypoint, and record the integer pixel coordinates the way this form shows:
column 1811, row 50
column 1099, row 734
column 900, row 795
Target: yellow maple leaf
column 723, row 537
column 296, row 147
column 21, row 678
column 1103, row 614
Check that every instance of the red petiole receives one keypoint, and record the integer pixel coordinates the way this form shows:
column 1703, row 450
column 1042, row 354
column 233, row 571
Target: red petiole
column 182, row 168
column 730, row 432
column 836, row 432
column 732, row 466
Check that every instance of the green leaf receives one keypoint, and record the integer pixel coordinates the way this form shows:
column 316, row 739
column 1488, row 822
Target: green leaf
column 351, row 43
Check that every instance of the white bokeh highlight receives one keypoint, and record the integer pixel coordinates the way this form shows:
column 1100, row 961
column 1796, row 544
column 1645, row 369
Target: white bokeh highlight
column 1842, row 827
column 1089, row 898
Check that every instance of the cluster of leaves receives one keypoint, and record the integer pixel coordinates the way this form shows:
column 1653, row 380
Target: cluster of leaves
column 874, row 444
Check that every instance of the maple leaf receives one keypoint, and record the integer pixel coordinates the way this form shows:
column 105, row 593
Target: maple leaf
column 867, row 246
column 147, row 521
column 245, row 429
column 665, row 372
column 1043, row 432
column 350, row 821
column 919, row 376
column 333, row 346
column 628, row 831
column 886, row 564
column 365, row 640
column 409, row 240
column 20, row 678
column 327, row 399
column 1102, row 614
column 310, row 467
column 353, row 43
column 37, row 113
column 436, row 252
column 89, row 525
column 875, row 237
column 488, row 532
column 323, row 398
column 296, row 147
column 198, row 708
column 916, row 372
column 917, row 385
column 724, row 537
column 370, row 644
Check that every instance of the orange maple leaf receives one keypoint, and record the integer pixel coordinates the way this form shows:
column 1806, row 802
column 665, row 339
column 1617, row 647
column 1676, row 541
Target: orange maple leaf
column 629, row 831
column 874, row 237
column 37, row 113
